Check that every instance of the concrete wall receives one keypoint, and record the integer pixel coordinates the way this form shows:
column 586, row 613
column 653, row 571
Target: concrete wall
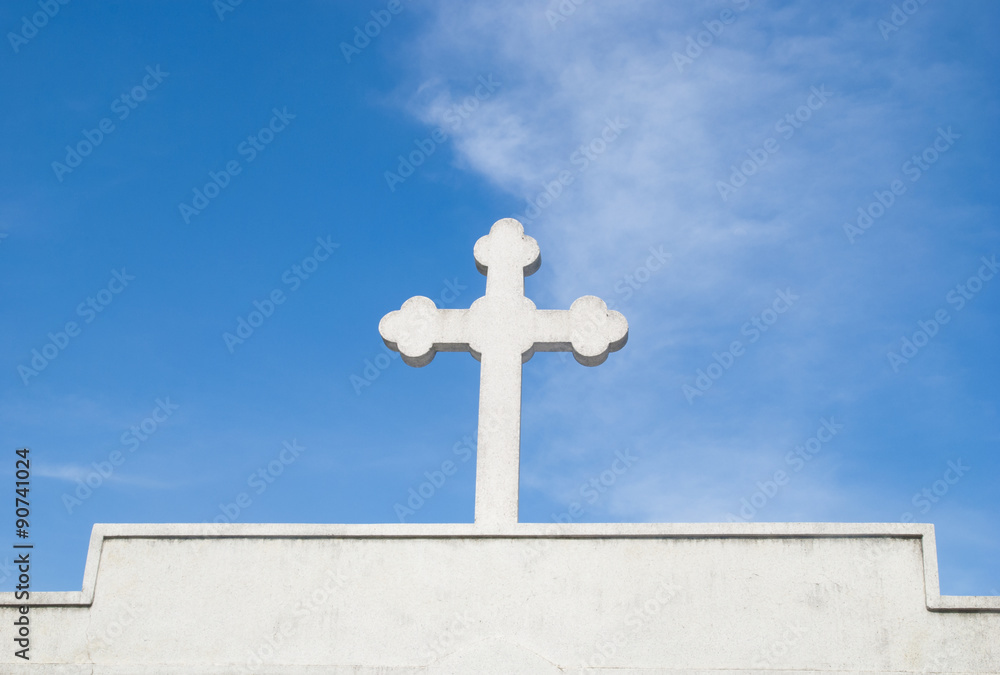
column 693, row 598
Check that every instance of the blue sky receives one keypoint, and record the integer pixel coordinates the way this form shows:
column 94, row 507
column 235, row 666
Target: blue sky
column 793, row 203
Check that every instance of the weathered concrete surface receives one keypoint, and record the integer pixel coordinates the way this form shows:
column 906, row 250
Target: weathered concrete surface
column 697, row 598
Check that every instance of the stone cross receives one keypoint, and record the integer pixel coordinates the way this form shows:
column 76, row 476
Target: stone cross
column 502, row 330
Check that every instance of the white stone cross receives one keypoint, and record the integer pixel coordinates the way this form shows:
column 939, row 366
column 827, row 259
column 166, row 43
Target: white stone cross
column 502, row 330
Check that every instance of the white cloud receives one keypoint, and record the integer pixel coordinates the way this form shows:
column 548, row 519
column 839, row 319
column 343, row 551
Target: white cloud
column 656, row 184
column 79, row 472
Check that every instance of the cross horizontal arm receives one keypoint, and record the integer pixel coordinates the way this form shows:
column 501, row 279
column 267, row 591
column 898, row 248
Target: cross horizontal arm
column 452, row 330
column 553, row 331
column 588, row 328
column 419, row 329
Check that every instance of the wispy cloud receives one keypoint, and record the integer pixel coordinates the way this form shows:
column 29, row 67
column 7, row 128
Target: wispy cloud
column 79, row 472
column 657, row 184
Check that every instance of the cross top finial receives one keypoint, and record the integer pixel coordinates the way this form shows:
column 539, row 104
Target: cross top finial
column 502, row 330
column 507, row 245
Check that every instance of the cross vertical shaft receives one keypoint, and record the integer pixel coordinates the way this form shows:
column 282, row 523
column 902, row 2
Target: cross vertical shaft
column 497, row 475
